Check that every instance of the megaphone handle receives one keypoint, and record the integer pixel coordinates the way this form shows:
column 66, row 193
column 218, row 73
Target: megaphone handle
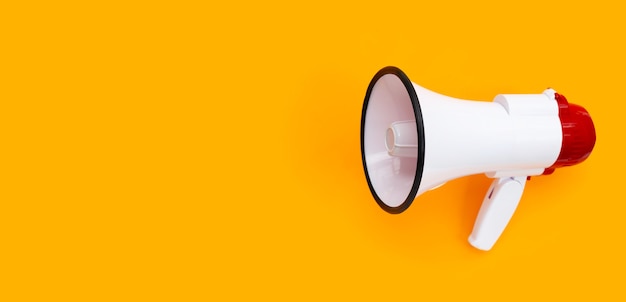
column 496, row 211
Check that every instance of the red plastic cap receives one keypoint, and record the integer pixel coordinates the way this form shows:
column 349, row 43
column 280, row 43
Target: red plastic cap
column 579, row 134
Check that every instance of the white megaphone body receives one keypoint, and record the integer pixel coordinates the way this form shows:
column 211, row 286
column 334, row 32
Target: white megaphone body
column 414, row 140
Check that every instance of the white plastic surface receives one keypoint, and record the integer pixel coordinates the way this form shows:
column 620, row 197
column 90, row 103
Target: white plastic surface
column 518, row 135
column 496, row 211
column 514, row 136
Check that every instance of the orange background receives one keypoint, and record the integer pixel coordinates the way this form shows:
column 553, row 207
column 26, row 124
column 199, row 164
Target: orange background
column 210, row 151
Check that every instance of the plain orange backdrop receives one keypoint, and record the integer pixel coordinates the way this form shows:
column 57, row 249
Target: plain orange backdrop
column 193, row 151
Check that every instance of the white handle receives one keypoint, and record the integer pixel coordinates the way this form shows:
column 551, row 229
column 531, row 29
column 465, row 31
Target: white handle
column 496, row 211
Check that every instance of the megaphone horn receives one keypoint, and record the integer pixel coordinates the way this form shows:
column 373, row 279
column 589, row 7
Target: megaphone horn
column 414, row 140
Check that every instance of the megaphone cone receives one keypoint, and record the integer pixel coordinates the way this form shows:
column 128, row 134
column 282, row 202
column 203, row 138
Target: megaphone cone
column 414, row 140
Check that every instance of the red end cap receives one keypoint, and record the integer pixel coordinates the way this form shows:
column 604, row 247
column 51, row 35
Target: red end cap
column 579, row 134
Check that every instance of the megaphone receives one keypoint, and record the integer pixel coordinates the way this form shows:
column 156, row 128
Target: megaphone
column 414, row 140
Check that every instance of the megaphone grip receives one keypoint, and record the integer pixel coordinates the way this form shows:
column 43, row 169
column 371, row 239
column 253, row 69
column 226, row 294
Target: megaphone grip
column 496, row 211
